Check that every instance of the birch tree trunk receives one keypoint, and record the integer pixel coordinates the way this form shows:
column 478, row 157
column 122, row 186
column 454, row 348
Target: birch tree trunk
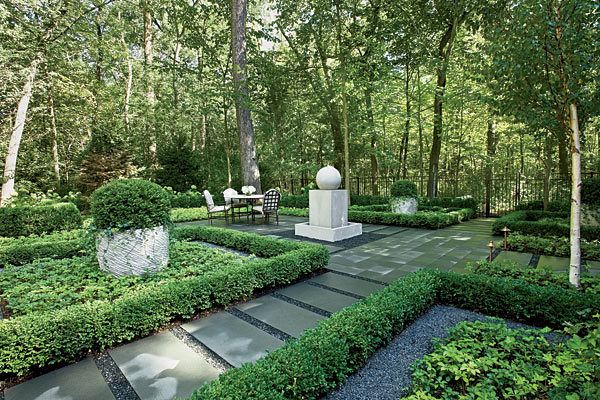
column 575, row 267
column 148, row 59
column 249, row 161
column 129, row 77
column 54, row 138
column 10, row 165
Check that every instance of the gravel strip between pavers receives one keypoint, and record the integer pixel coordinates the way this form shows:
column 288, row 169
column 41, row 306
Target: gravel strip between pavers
column 387, row 373
column 271, row 330
column 210, row 356
column 118, row 384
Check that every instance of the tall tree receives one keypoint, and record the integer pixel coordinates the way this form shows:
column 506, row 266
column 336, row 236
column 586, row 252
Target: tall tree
column 249, row 159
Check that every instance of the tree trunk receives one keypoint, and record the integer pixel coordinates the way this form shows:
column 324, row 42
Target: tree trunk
column 129, row 79
column 547, row 171
column 342, row 59
column 10, row 165
column 404, row 152
column 575, row 268
column 444, row 51
column 491, row 153
column 374, row 162
column 420, row 128
column 148, row 58
column 249, row 162
column 563, row 160
column 54, row 138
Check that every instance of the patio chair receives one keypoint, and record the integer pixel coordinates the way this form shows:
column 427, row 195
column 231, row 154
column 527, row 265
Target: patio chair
column 270, row 205
column 213, row 209
column 234, row 203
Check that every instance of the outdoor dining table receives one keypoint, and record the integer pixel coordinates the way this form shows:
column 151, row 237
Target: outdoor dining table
column 251, row 200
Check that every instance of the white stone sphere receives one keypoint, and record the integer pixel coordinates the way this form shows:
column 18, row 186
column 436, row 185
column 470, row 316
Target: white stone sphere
column 328, row 178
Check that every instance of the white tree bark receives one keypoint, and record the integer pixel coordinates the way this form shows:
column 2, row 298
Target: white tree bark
column 10, row 165
column 575, row 268
column 54, row 139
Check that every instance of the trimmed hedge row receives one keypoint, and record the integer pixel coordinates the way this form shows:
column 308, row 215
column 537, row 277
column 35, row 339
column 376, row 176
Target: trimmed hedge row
column 427, row 220
column 527, row 222
column 323, row 357
column 29, row 220
column 555, row 246
column 301, row 200
column 451, row 202
column 21, row 254
column 41, row 339
column 563, row 206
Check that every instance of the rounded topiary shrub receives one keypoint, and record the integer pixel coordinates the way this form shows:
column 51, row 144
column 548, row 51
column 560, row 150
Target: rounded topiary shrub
column 130, row 204
column 131, row 215
column 403, row 188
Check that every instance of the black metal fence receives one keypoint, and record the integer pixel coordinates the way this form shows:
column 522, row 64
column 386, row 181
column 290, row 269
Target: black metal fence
column 506, row 190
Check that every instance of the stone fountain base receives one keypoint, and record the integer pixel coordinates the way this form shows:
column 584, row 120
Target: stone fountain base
column 328, row 217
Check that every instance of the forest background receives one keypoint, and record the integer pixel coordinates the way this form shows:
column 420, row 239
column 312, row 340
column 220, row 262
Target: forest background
column 454, row 95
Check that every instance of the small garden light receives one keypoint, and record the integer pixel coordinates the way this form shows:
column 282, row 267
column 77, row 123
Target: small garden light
column 505, row 230
column 491, row 246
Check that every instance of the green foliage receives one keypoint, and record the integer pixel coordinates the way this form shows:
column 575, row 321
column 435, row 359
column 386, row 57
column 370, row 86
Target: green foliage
column 403, row 188
column 188, row 214
column 590, row 191
column 191, row 198
column 194, row 284
column 375, row 207
column 535, row 276
column 180, row 167
column 450, row 202
column 294, row 201
column 427, row 220
column 534, row 222
column 557, row 206
column 486, row 360
column 552, row 246
column 130, row 204
column 516, row 299
column 28, row 220
column 20, row 251
column 301, row 201
column 325, row 356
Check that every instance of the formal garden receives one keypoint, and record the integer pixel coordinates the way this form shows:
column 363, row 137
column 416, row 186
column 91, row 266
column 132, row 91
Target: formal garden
column 299, row 200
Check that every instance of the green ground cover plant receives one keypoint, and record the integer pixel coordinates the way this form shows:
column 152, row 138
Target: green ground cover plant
column 323, row 357
column 535, row 276
column 64, row 334
column 553, row 246
column 188, row 214
column 487, row 360
column 545, row 224
column 26, row 220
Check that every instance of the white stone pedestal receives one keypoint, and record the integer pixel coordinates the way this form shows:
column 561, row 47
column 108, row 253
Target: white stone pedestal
column 328, row 217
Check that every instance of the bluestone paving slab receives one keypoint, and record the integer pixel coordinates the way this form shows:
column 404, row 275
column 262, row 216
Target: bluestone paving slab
column 235, row 340
column 388, row 277
column 280, row 314
column 519, row 258
column 162, row 367
column 80, row 381
column 347, row 269
column 554, row 263
column 390, row 230
column 347, row 284
column 372, row 228
column 318, row 297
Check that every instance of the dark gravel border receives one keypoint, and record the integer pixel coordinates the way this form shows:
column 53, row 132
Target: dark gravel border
column 387, row 375
column 301, row 304
column 362, row 278
column 117, row 383
column 366, row 237
column 210, row 356
column 284, row 337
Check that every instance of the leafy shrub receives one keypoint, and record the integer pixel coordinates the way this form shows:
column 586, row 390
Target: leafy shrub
column 188, row 214
column 375, row 207
column 294, row 201
column 488, row 360
column 590, row 191
column 534, row 276
column 22, row 251
column 528, row 222
column 178, row 165
column 324, row 356
column 62, row 335
column 191, row 198
column 553, row 246
column 403, row 188
column 450, row 202
column 130, row 204
column 516, row 299
column 301, row 201
column 562, row 206
column 39, row 219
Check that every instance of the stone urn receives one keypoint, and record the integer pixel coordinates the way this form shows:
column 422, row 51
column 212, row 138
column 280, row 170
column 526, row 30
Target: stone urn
column 133, row 252
column 131, row 217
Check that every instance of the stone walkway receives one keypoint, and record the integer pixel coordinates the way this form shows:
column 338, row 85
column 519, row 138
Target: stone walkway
column 174, row 362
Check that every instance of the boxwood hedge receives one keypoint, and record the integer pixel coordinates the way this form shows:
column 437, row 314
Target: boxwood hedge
column 531, row 222
column 40, row 339
column 323, row 357
column 28, row 220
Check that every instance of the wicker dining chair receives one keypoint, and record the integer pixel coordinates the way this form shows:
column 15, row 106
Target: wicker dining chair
column 270, row 205
column 213, row 209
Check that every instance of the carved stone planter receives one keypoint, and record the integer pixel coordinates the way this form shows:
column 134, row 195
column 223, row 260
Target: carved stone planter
column 404, row 205
column 133, row 252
